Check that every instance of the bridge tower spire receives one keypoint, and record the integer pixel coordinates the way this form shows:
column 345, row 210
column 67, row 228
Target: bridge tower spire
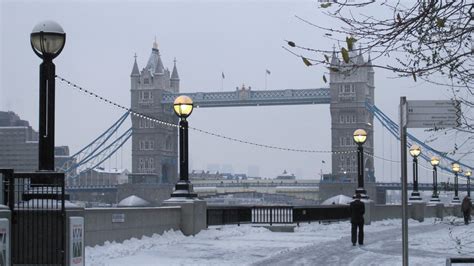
column 174, row 80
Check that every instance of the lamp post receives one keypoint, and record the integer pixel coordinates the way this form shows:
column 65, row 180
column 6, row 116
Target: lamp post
column 360, row 136
column 435, row 162
column 456, row 169
column 47, row 40
column 183, row 107
column 415, row 151
column 468, row 177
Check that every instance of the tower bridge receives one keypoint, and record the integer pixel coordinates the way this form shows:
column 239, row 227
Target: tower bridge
column 154, row 88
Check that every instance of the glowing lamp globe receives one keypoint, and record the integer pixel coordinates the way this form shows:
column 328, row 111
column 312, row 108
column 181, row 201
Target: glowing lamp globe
column 434, row 161
column 183, row 106
column 360, row 136
column 456, row 168
column 415, row 150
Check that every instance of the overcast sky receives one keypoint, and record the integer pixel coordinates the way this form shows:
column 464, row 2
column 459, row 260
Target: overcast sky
column 240, row 38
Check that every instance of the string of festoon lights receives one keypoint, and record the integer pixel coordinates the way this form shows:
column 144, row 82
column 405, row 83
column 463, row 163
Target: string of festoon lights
column 164, row 123
column 168, row 124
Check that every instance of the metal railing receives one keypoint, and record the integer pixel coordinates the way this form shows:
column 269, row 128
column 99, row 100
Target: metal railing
column 272, row 214
column 38, row 217
column 463, row 260
column 221, row 215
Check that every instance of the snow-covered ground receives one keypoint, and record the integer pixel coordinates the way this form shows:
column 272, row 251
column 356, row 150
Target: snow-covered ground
column 430, row 243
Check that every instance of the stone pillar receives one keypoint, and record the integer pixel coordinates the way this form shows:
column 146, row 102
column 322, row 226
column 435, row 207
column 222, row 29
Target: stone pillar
column 456, row 209
column 193, row 214
column 369, row 209
column 439, row 210
column 417, row 210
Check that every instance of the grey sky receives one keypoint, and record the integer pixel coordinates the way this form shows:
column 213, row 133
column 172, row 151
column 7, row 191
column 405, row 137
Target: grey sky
column 241, row 39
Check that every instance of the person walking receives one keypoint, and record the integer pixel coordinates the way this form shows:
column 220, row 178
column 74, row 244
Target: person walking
column 357, row 210
column 466, row 207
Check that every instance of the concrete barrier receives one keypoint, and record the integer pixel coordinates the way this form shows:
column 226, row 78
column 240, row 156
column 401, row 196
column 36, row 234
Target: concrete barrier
column 119, row 224
column 193, row 214
column 417, row 211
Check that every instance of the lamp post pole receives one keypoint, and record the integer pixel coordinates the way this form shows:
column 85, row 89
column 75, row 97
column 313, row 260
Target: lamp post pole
column 183, row 107
column 47, row 40
column 183, row 151
column 46, row 115
column 468, row 178
column 456, row 169
column 434, row 162
column 360, row 136
column 415, row 151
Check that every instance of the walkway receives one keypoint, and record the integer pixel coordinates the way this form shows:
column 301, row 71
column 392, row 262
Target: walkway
column 381, row 248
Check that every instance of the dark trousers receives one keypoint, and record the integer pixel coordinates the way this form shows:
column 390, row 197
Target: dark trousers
column 354, row 233
column 467, row 217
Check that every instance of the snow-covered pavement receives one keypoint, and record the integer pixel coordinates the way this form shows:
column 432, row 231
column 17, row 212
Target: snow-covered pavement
column 430, row 243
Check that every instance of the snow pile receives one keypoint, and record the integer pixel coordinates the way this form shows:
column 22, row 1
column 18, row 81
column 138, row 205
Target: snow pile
column 430, row 243
column 98, row 255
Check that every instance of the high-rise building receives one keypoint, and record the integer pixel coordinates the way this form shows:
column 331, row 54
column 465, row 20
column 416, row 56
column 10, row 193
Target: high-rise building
column 351, row 85
column 154, row 146
column 19, row 145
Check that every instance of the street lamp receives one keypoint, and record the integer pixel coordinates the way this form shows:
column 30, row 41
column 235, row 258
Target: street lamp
column 456, row 169
column 434, row 163
column 360, row 136
column 468, row 176
column 415, row 151
column 183, row 107
column 47, row 40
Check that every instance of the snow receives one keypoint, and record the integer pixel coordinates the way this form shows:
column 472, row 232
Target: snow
column 339, row 199
column 133, row 201
column 430, row 243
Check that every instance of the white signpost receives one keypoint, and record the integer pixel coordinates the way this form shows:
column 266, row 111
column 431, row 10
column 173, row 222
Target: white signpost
column 433, row 114
column 76, row 241
column 421, row 114
column 4, row 241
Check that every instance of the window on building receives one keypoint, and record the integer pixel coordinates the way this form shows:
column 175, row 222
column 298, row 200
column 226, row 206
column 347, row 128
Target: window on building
column 347, row 92
column 145, row 96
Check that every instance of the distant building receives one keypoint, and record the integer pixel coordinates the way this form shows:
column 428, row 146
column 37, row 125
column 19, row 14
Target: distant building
column 351, row 87
column 154, row 146
column 286, row 176
column 19, row 145
column 201, row 174
column 100, row 177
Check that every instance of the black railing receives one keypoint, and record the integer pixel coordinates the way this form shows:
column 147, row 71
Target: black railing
column 38, row 217
column 220, row 215
column 321, row 213
column 272, row 214
column 463, row 260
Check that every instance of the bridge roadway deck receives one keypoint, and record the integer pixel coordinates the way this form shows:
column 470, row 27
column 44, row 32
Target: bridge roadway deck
column 248, row 97
column 217, row 183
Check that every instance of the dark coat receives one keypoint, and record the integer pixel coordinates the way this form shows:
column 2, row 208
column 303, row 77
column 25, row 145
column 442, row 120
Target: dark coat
column 357, row 209
column 466, row 205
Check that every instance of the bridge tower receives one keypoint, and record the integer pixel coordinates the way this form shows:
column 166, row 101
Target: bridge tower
column 351, row 85
column 154, row 147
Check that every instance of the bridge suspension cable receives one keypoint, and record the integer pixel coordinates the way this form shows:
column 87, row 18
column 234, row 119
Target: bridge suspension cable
column 90, row 150
column 105, row 153
column 393, row 128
